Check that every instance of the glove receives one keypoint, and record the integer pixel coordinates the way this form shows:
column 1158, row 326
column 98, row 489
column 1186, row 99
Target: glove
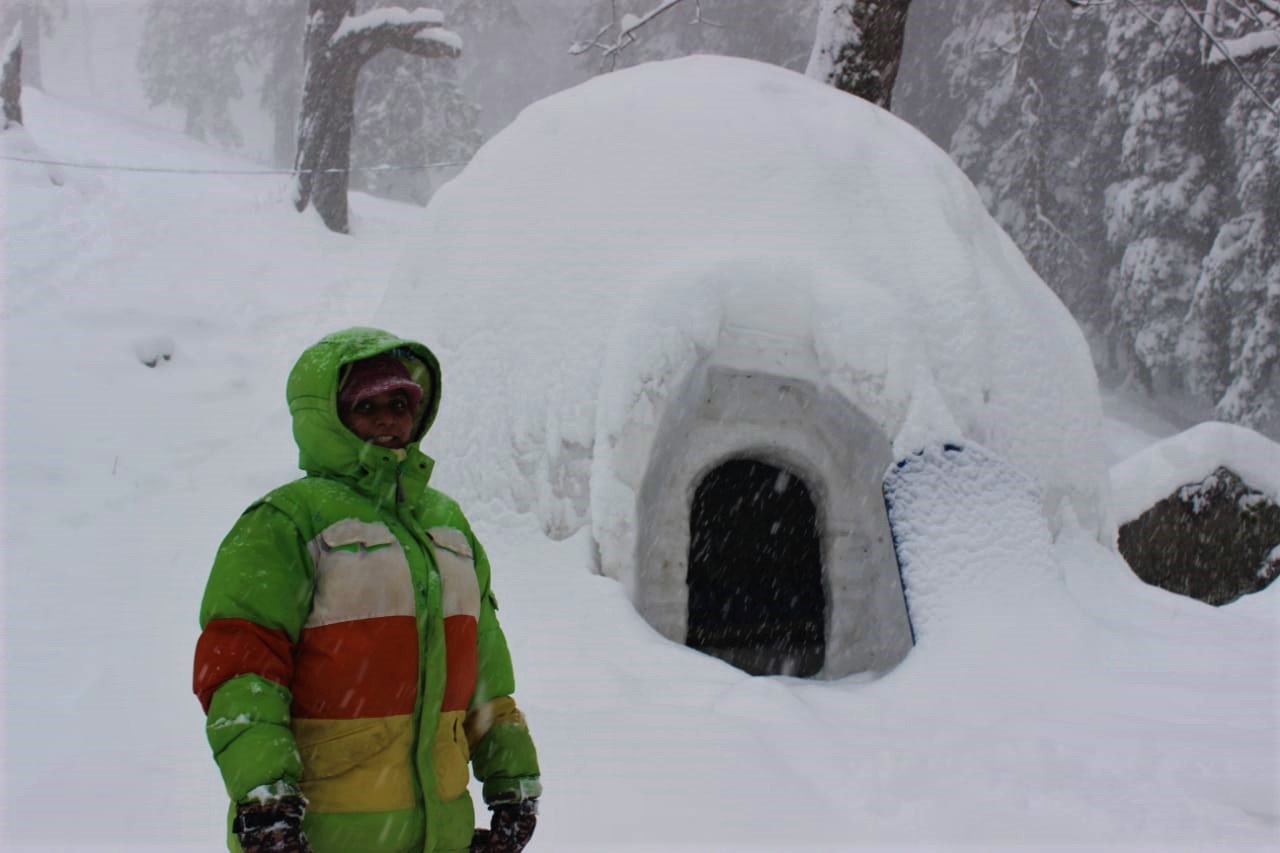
column 272, row 826
column 509, row 830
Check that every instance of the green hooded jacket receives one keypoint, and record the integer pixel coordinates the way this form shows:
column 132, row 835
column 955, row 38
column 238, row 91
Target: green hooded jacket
column 350, row 647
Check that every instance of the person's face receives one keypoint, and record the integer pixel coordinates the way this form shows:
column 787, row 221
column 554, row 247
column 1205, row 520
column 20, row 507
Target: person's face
column 384, row 419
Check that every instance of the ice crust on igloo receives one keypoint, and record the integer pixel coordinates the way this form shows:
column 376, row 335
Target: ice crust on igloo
column 596, row 254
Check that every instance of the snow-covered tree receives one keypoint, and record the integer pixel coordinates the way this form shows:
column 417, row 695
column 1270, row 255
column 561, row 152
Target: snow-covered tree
column 408, row 112
column 277, row 28
column 1014, row 91
column 37, row 17
column 338, row 45
column 411, row 113
column 623, row 33
column 189, row 58
column 11, row 78
column 1162, row 211
column 495, row 69
column 1232, row 332
column 1128, row 148
column 858, row 46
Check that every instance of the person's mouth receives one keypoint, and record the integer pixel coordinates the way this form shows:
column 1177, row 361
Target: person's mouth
column 386, row 440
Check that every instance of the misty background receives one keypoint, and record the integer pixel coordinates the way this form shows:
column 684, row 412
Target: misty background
column 1137, row 168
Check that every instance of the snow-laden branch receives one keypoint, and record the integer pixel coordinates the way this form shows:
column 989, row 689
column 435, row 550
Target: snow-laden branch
column 627, row 27
column 418, row 31
column 393, row 16
column 338, row 44
column 1220, row 50
column 1247, row 45
column 630, row 23
column 1226, row 56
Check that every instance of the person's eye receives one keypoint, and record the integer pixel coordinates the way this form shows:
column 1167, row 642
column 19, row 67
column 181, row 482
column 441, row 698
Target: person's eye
column 364, row 407
column 399, row 406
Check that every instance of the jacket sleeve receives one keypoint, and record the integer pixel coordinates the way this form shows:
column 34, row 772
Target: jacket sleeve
column 503, row 756
column 257, row 598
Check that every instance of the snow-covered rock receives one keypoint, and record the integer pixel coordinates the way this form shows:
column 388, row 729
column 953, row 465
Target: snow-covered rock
column 1156, row 471
column 1199, row 512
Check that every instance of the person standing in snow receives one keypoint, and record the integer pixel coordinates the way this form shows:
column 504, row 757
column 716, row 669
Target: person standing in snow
column 350, row 663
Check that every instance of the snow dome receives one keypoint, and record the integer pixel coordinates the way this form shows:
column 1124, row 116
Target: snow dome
column 703, row 305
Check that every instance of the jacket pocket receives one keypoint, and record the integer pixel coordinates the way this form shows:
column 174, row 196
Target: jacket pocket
column 361, row 573
column 356, row 765
column 452, row 756
column 459, row 586
column 332, row 748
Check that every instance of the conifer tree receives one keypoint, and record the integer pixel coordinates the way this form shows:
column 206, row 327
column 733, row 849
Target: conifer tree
column 277, row 28
column 189, row 58
column 1231, row 339
column 1162, row 209
column 411, row 113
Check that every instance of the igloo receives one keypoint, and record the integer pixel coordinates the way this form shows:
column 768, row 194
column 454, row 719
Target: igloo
column 702, row 306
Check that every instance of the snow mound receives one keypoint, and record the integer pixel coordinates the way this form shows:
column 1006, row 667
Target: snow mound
column 1154, row 473
column 969, row 537
column 650, row 212
column 28, row 165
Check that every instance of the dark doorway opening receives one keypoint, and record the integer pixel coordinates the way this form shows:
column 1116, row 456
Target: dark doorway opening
column 755, row 570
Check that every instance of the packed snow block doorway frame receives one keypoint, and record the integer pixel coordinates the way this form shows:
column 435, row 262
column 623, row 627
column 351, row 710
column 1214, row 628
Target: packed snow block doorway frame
column 749, row 439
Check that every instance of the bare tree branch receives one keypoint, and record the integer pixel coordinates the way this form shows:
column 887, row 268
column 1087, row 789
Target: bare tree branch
column 581, row 47
column 627, row 26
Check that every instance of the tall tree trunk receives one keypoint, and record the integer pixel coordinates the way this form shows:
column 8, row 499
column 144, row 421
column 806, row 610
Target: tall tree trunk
column 11, row 79
column 30, row 16
column 338, row 44
column 859, row 45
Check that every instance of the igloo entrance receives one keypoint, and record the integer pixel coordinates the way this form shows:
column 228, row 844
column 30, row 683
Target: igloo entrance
column 752, row 417
column 756, row 596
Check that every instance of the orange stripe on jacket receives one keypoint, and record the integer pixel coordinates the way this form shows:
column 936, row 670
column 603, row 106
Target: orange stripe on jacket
column 461, row 653
column 355, row 669
column 231, row 647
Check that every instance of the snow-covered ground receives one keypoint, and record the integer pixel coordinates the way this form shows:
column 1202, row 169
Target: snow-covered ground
column 1053, row 700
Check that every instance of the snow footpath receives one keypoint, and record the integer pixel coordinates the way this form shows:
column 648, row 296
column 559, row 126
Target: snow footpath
column 1053, row 700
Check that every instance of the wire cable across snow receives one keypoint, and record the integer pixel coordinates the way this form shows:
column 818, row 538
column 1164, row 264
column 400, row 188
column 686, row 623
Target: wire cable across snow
column 107, row 167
